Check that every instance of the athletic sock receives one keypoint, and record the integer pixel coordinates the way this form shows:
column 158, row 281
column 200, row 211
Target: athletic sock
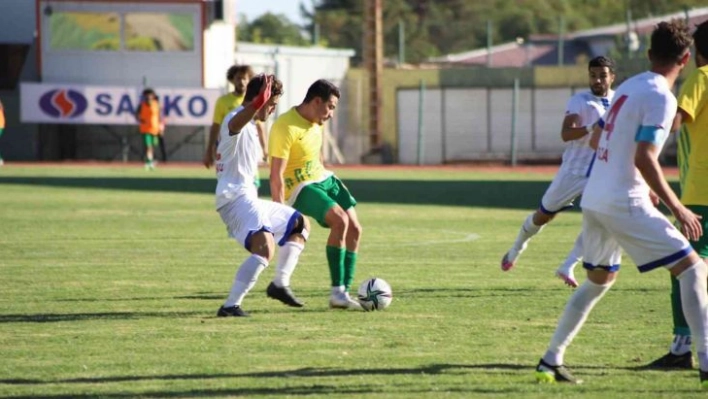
column 681, row 345
column 335, row 260
column 288, row 256
column 528, row 230
column 680, row 324
column 245, row 279
column 575, row 255
column 574, row 315
column 337, row 290
column 349, row 268
column 694, row 300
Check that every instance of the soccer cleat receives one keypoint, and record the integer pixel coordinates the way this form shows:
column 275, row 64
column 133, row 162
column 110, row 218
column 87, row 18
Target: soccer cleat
column 673, row 362
column 284, row 295
column 507, row 263
column 232, row 311
column 545, row 373
column 567, row 276
column 343, row 301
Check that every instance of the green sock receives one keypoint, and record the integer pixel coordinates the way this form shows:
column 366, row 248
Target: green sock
column 349, row 268
column 680, row 324
column 335, row 259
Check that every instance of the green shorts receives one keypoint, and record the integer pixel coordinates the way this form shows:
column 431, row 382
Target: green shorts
column 701, row 246
column 150, row 140
column 316, row 199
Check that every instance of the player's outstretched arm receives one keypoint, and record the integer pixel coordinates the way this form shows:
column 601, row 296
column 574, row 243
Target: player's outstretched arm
column 277, row 169
column 249, row 110
column 571, row 128
column 595, row 136
column 646, row 161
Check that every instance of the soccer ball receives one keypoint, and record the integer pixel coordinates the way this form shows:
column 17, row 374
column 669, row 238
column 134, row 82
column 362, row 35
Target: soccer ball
column 375, row 294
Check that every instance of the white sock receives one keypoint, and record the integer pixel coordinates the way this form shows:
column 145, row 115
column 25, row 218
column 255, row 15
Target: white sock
column 576, row 311
column 245, row 279
column 694, row 301
column 575, row 255
column 681, row 345
column 338, row 290
column 288, row 256
column 528, row 230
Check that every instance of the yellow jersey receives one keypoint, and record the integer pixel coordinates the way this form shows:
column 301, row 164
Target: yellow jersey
column 224, row 105
column 693, row 139
column 298, row 141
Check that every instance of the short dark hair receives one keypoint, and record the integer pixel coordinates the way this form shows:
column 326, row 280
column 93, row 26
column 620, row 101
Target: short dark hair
column 700, row 36
column 238, row 70
column 148, row 92
column 602, row 61
column 254, row 87
column 322, row 89
column 669, row 42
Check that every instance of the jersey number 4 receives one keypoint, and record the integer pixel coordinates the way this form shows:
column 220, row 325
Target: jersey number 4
column 612, row 115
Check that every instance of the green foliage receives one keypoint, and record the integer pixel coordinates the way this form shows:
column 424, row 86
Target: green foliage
column 271, row 29
column 440, row 27
column 141, row 43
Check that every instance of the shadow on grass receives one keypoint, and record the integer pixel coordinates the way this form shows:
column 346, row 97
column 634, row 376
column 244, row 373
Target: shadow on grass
column 58, row 317
column 309, row 389
column 499, row 194
column 432, row 369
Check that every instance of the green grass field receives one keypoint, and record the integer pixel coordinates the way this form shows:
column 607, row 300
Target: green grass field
column 110, row 279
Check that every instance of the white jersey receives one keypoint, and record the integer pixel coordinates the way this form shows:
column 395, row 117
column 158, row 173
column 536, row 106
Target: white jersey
column 237, row 160
column 615, row 185
column 578, row 155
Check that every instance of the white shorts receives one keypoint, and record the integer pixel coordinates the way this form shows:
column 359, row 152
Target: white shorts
column 644, row 233
column 564, row 188
column 246, row 215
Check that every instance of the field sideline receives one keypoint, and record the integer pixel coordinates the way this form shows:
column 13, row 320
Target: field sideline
column 111, row 277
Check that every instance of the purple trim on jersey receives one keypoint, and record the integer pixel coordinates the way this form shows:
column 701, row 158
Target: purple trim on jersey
column 547, row 212
column 665, row 261
column 611, row 268
column 289, row 228
column 592, row 162
column 247, row 245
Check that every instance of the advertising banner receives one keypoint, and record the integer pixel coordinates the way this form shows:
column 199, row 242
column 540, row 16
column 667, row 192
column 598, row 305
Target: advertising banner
column 111, row 105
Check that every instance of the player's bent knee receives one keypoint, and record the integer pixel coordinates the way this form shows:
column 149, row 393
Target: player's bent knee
column 685, row 263
column 302, row 227
column 355, row 229
column 601, row 276
column 337, row 219
column 262, row 244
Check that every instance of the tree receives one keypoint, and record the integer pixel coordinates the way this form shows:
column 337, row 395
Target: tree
column 436, row 27
column 272, row 29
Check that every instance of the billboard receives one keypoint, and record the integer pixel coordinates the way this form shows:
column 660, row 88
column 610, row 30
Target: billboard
column 111, row 105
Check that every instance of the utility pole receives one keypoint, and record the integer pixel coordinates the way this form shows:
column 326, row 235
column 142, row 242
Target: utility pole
column 373, row 61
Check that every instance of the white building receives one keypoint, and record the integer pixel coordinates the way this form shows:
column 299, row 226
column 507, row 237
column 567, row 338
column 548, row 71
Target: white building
column 83, row 63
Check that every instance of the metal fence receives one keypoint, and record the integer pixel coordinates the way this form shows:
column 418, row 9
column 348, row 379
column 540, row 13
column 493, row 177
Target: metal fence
column 447, row 125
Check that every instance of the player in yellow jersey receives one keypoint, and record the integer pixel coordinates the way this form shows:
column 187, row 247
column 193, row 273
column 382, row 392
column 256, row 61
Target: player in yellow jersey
column 693, row 172
column 237, row 75
column 298, row 176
